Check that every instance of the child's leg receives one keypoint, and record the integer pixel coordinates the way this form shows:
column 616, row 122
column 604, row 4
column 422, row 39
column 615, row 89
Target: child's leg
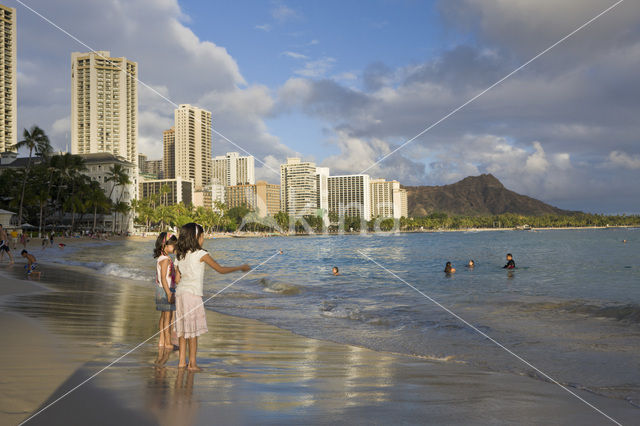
column 160, row 327
column 193, row 348
column 183, row 352
column 167, row 329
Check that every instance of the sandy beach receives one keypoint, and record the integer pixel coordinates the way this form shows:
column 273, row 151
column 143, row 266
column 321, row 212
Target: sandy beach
column 73, row 322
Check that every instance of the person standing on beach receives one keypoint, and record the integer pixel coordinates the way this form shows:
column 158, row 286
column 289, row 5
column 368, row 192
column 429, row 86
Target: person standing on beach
column 4, row 245
column 191, row 320
column 166, row 279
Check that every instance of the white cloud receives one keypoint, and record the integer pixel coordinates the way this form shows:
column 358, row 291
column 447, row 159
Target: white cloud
column 317, row 68
column 623, row 160
column 263, row 27
column 281, row 13
column 294, row 55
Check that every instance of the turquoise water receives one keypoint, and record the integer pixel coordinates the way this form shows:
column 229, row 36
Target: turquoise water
column 571, row 308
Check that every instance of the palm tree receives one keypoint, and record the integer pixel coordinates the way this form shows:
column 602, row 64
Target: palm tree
column 97, row 200
column 118, row 175
column 35, row 140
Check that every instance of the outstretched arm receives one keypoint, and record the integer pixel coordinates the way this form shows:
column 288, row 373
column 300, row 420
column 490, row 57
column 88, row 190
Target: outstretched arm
column 223, row 269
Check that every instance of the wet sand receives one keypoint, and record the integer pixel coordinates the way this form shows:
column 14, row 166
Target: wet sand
column 252, row 372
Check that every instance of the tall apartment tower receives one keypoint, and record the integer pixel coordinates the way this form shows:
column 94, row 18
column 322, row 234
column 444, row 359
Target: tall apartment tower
column 193, row 145
column 350, row 196
column 232, row 169
column 8, row 106
column 104, row 105
column 169, row 153
column 388, row 200
column 298, row 190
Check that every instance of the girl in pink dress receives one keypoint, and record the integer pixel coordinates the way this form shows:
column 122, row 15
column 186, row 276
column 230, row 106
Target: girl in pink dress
column 191, row 320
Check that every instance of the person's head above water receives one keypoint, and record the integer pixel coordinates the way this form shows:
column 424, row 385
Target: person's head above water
column 190, row 239
column 509, row 256
column 448, row 269
column 335, row 271
column 471, row 263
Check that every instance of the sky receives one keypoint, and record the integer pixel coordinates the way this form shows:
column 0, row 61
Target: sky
column 345, row 83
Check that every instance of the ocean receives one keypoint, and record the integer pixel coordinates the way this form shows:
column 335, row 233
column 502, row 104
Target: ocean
column 571, row 307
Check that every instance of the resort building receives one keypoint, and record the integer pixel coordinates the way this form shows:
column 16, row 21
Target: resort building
column 171, row 191
column 169, row 153
column 98, row 167
column 193, row 145
column 322, row 192
column 8, row 76
column 298, row 192
column 104, row 105
column 388, row 200
column 141, row 160
column 153, row 168
column 233, row 169
column 350, row 196
column 263, row 197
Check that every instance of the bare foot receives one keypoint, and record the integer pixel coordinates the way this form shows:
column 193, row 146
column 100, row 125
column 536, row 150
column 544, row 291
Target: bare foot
column 182, row 365
column 194, row 368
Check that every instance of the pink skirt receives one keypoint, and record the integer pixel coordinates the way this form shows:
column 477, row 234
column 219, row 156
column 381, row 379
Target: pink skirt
column 191, row 320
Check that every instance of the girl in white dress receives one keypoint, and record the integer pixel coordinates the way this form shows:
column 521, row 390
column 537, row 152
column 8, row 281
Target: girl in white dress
column 191, row 320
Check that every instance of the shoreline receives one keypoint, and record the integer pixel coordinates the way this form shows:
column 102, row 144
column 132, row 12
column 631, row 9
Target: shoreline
column 254, row 372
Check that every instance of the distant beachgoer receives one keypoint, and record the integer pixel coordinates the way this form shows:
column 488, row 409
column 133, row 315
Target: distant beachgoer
column 61, row 245
column 448, row 269
column 471, row 264
column 335, row 271
column 4, row 245
column 51, row 238
column 281, row 252
column 511, row 264
column 166, row 280
column 45, row 241
column 14, row 239
column 624, row 241
column 191, row 320
column 23, row 240
column 31, row 265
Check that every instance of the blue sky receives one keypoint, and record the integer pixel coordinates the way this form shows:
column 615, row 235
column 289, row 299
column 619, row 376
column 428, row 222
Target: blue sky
column 272, row 42
column 345, row 83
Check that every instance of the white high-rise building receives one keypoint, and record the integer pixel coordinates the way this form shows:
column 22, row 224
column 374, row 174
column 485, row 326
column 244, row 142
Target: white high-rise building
column 8, row 86
column 193, row 145
column 388, row 200
column 298, row 191
column 169, row 153
column 350, row 196
column 104, row 105
column 322, row 195
column 233, row 169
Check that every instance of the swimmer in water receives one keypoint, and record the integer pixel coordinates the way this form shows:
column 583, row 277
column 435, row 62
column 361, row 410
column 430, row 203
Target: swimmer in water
column 448, row 269
column 471, row 264
column 335, row 271
column 511, row 264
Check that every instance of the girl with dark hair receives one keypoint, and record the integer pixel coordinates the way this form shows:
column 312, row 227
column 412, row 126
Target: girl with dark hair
column 191, row 319
column 166, row 280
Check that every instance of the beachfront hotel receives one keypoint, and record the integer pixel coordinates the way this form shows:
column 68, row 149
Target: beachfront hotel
column 298, row 191
column 350, row 195
column 193, row 145
column 8, row 75
column 169, row 153
column 170, row 191
column 262, row 197
column 104, row 105
column 98, row 166
column 154, row 168
column 388, row 200
column 233, row 169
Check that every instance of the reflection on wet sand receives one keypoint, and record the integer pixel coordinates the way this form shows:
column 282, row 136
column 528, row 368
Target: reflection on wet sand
column 257, row 373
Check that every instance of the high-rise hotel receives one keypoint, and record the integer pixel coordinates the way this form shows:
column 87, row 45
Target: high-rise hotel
column 169, row 153
column 193, row 145
column 298, row 188
column 233, row 169
column 8, row 105
column 104, row 105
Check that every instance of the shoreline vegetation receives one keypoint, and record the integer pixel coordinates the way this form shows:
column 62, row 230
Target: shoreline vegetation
column 53, row 192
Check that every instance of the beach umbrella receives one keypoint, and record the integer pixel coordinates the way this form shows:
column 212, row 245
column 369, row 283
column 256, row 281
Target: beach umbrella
column 28, row 226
